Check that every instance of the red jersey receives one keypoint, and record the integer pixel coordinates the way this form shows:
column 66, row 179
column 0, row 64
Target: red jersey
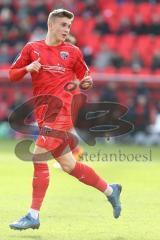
column 60, row 65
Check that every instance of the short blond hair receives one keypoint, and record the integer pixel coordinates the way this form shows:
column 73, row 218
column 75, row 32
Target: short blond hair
column 59, row 13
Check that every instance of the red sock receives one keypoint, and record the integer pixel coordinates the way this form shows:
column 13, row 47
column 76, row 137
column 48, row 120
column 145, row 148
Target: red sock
column 88, row 176
column 40, row 184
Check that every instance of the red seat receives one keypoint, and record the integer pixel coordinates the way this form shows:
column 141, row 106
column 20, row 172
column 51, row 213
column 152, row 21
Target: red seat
column 145, row 71
column 156, row 44
column 89, row 25
column 92, row 40
column 124, row 52
column 125, row 44
column 109, row 6
column 111, row 41
column 77, row 26
column 145, row 9
column 127, row 10
column 144, row 45
column 144, row 41
column 122, row 97
column 156, row 8
column 110, row 70
column 127, row 41
column 125, row 70
column 4, row 66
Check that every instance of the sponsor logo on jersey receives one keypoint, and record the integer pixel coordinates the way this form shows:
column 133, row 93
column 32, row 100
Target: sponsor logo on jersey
column 64, row 55
column 58, row 68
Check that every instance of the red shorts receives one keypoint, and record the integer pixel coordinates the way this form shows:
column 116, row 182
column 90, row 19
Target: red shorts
column 58, row 142
column 63, row 122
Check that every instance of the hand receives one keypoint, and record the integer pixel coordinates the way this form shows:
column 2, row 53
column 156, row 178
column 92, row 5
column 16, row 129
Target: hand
column 70, row 86
column 34, row 66
column 86, row 83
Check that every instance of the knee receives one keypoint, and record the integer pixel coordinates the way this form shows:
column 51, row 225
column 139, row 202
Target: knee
column 67, row 167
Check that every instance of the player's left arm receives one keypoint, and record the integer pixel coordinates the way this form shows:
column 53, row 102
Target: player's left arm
column 82, row 72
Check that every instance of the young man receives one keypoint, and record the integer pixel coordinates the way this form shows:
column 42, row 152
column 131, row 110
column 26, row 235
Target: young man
column 78, row 151
column 52, row 63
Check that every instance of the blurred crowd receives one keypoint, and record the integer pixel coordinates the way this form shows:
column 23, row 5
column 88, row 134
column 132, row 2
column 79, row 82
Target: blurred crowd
column 116, row 36
column 143, row 111
column 127, row 30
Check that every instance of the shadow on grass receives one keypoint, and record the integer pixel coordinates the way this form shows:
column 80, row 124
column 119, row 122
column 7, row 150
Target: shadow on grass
column 27, row 237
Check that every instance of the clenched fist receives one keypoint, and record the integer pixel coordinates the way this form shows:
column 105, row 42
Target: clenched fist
column 34, row 66
column 86, row 83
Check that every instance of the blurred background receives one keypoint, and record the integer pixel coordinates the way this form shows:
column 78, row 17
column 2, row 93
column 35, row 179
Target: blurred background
column 120, row 40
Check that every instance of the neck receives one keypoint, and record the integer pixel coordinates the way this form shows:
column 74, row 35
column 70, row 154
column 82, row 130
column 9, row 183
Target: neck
column 51, row 40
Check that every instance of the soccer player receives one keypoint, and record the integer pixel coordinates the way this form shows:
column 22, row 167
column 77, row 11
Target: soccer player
column 78, row 151
column 52, row 63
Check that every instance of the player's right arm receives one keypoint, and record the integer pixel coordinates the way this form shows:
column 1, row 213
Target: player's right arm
column 23, row 64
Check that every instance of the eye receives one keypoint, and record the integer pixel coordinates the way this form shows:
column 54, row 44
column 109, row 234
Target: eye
column 66, row 25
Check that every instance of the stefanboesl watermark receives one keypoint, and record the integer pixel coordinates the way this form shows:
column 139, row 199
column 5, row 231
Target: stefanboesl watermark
column 118, row 156
column 99, row 119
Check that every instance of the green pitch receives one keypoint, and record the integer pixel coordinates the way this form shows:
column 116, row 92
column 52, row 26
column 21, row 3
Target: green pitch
column 73, row 211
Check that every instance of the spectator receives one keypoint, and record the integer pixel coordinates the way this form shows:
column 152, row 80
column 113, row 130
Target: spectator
column 4, row 36
column 4, row 110
column 38, row 34
column 109, row 93
column 20, row 99
column 71, row 39
column 91, row 8
column 124, row 26
column 136, row 62
column 117, row 60
column 23, row 9
column 139, row 27
column 104, row 57
column 88, row 55
column 101, row 26
column 131, row 115
column 17, row 49
column 25, row 24
column 154, row 28
column 40, row 21
column 4, row 54
column 39, row 6
column 142, row 89
column 6, row 18
column 156, row 60
column 142, row 112
column 143, row 119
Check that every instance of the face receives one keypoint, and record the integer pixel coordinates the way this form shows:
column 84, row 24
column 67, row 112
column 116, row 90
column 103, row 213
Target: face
column 60, row 28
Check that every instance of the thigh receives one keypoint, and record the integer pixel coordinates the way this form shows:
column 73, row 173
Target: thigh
column 67, row 161
column 40, row 154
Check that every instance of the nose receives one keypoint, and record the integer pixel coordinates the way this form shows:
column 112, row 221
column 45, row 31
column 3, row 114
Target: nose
column 67, row 30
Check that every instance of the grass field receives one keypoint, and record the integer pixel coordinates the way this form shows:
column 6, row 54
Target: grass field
column 73, row 211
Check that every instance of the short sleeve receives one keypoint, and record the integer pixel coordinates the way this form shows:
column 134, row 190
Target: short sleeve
column 23, row 59
column 80, row 68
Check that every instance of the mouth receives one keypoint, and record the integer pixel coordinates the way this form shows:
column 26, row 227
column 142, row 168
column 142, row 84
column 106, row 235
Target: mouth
column 64, row 35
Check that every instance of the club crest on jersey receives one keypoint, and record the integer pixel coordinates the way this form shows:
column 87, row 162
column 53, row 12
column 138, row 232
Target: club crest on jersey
column 64, row 55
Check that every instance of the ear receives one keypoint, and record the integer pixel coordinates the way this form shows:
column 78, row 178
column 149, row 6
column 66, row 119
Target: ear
column 50, row 25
